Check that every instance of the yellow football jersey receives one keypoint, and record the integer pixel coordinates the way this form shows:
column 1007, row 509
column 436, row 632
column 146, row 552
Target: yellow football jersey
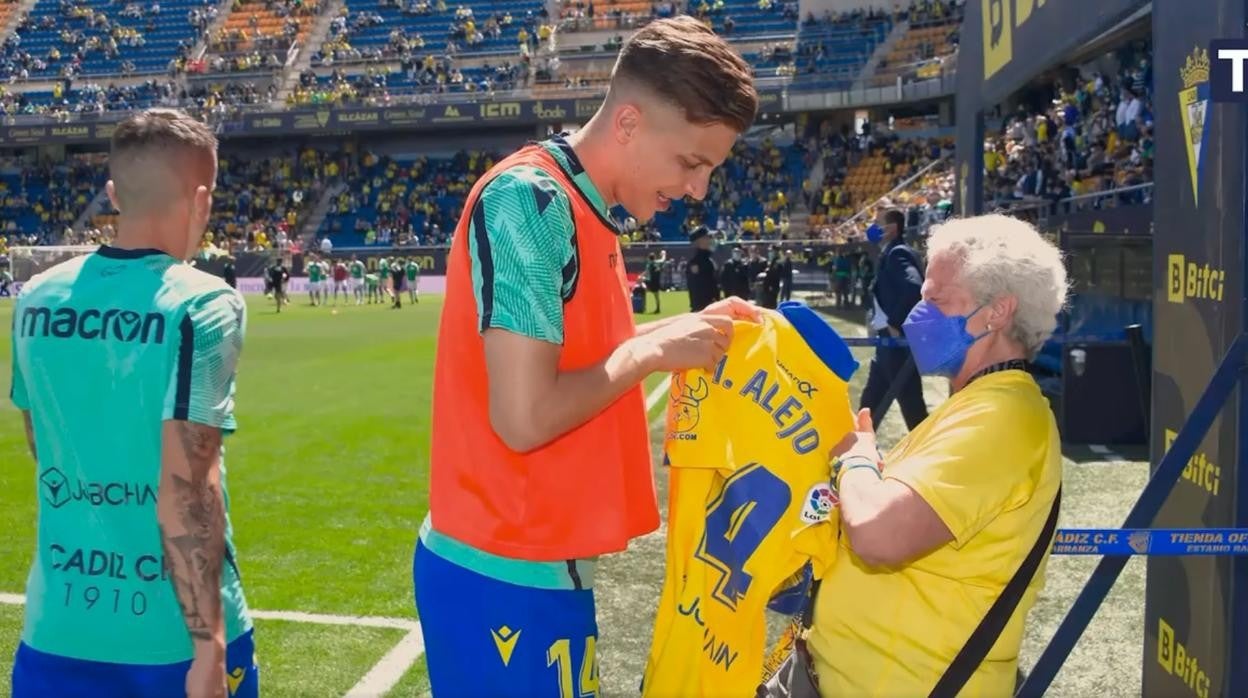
column 749, row 501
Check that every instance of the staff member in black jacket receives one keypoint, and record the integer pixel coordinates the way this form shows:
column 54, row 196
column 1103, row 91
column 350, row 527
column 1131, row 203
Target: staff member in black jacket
column 786, row 276
column 734, row 278
column 756, row 267
column 769, row 295
column 700, row 276
column 897, row 288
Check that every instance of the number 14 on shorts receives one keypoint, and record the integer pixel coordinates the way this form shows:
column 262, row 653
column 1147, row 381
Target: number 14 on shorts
column 559, row 656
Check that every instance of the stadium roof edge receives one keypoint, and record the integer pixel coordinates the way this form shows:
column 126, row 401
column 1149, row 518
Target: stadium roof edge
column 1114, row 35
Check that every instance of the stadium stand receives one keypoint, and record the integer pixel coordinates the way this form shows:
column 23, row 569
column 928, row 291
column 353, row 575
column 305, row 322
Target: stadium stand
column 377, row 86
column 206, row 98
column 860, row 168
column 613, row 14
column 832, row 51
column 260, row 203
column 930, row 40
column 92, row 97
column 400, row 45
column 1095, row 137
column 747, row 18
column 257, row 35
column 83, row 38
column 405, row 198
column 394, row 29
column 750, row 197
column 38, row 202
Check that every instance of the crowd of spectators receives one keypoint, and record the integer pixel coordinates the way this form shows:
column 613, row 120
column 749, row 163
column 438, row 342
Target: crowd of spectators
column 465, row 31
column 1091, row 133
column 109, row 36
column 430, row 75
column 859, row 167
column 39, row 201
column 408, row 202
column 260, row 203
column 211, row 100
column 586, row 15
column 262, row 36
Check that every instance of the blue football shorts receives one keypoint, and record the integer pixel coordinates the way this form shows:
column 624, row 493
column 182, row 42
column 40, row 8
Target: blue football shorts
column 39, row 675
column 486, row 637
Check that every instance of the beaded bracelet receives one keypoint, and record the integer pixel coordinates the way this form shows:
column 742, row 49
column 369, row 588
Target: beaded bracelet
column 839, row 467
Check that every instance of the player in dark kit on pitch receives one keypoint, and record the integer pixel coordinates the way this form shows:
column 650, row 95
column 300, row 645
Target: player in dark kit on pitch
column 278, row 275
column 396, row 278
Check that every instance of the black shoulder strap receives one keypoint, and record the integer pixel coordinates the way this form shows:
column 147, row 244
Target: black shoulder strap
column 989, row 629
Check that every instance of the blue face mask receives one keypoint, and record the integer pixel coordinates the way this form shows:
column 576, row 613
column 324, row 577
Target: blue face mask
column 939, row 342
column 875, row 233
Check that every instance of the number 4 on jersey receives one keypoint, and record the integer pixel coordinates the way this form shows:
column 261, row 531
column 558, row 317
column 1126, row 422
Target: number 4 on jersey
column 737, row 523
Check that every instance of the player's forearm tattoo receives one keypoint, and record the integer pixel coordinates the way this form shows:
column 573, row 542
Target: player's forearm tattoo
column 195, row 543
column 30, row 435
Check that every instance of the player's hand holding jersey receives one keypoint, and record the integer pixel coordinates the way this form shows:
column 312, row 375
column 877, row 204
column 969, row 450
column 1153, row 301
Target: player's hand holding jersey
column 750, row 503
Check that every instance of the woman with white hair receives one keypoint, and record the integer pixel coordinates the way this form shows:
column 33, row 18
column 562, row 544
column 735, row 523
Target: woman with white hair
column 932, row 532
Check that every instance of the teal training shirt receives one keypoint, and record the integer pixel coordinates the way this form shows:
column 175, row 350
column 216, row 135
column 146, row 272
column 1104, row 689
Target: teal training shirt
column 105, row 348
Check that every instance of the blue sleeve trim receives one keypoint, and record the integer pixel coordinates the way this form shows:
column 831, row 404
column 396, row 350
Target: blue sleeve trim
column 822, row 338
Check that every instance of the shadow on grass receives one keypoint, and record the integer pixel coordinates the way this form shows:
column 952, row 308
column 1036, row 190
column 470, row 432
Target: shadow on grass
column 1091, row 454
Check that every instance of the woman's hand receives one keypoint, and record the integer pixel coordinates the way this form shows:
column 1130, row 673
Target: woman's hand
column 860, row 442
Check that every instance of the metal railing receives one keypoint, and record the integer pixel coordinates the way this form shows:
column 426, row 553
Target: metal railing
column 891, row 192
column 1040, row 210
column 799, row 99
column 795, row 97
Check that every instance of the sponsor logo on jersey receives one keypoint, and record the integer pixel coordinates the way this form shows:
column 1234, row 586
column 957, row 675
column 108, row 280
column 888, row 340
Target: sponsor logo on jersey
column 684, row 406
column 58, row 490
column 92, row 323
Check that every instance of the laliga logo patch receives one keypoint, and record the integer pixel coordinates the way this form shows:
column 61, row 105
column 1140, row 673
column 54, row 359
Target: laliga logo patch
column 820, row 502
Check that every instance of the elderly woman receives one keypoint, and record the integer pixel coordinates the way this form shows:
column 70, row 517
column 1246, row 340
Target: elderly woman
column 933, row 531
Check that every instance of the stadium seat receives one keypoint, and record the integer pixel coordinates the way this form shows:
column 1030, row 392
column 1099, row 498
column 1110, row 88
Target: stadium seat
column 432, row 26
column 102, row 34
column 419, row 190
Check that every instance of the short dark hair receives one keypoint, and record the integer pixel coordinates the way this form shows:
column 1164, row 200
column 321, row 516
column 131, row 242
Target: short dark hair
column 682, row 61
column 167, row 132
column 897, row 218
column 162, row 129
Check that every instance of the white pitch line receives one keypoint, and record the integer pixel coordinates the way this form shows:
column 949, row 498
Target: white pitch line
column 657, row 394
column 387, row 672
column 328, row 619
column 295, row 616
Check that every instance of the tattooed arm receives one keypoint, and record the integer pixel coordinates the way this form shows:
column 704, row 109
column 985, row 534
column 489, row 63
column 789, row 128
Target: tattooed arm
column 30, row 435
column 190, row 502
column 191, row 513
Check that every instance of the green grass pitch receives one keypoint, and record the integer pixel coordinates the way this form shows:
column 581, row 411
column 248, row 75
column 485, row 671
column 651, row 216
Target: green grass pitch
column 328, row 485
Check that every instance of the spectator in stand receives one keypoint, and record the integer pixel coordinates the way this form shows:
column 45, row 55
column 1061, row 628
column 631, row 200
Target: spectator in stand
column 1105, row 138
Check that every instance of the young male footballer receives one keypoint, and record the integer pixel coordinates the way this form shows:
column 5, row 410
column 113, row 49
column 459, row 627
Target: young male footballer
column 540, row 450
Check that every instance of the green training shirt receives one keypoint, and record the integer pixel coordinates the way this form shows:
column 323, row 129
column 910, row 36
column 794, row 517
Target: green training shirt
column 105, row 348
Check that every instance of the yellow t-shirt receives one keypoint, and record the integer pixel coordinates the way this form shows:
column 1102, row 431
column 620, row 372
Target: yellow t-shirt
column 989, row 462
column 749, row 501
